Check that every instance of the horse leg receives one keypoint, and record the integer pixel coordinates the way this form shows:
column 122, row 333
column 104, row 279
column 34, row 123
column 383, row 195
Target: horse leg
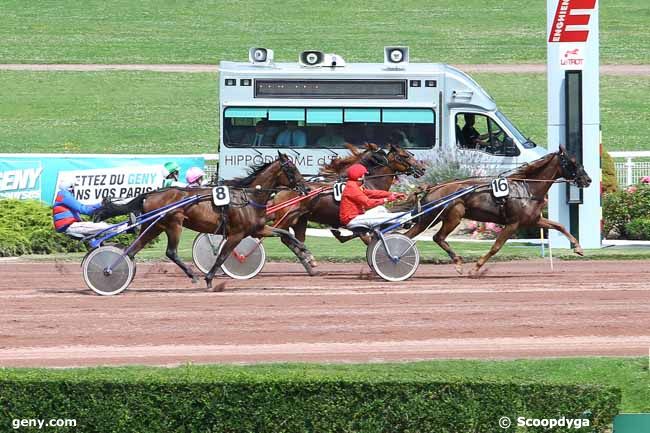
column 300, row 231
column 498, row 244
column 549, row 224
column 150, row 235
column 173, row 231
column 297, row 247
column 229, row 245
column 297, row 220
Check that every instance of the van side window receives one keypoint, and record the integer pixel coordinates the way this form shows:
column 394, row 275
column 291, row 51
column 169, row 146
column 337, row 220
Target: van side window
column 481, row 133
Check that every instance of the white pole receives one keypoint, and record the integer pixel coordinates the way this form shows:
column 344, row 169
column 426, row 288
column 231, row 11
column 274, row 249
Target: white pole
column 550, row 253
column 629, row 166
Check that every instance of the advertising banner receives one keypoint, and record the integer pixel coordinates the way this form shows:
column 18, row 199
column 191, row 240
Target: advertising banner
column 35, row 176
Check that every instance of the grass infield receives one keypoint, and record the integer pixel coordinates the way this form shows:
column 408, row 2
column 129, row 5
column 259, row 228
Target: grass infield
column 329, row 249
column 206, row 31
column 150, row 113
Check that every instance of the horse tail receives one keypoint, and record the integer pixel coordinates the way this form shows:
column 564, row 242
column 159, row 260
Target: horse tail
column 110, row 208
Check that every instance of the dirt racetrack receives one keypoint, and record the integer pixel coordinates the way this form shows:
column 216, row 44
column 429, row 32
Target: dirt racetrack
column 517, row 309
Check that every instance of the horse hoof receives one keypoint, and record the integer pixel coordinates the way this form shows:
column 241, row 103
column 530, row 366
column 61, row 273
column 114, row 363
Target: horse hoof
column 459, row 268
column 313, row 273
column 194, row 279
column 579, row 252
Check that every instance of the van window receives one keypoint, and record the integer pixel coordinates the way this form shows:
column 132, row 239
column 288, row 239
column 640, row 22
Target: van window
column 412, row 128
column 481, row 133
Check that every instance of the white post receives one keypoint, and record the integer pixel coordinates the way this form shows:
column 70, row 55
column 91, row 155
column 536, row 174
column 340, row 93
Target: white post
column 572, row 27
column 628, row 166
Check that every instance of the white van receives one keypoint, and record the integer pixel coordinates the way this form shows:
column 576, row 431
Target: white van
column 310, row 109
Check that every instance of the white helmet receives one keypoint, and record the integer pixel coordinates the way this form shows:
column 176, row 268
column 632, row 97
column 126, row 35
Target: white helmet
column 67, row 181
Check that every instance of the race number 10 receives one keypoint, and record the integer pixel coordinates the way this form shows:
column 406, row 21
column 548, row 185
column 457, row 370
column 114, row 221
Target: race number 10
column 500, row 187
column 338, row 190
column 221, row 195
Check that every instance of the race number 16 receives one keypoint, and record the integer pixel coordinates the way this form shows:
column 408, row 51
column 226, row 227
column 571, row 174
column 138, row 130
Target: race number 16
column 338, row 190
column 500, row 187
column 221, row 195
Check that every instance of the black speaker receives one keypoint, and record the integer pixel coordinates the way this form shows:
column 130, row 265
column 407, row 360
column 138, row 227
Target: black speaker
column 311, row 58
column 396, row 56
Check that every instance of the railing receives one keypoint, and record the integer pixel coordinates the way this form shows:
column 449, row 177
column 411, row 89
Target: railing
column 630, row 172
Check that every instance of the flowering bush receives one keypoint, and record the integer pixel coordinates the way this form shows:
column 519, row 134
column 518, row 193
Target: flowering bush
column 620, row 208
column 479, row 230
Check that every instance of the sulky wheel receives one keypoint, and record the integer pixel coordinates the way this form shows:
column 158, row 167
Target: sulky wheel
column 246, row 260
column 107, row 270
column 205, row 251
column 403, row 260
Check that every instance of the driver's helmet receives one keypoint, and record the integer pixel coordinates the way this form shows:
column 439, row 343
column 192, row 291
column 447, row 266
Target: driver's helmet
column 194, row 175
column 357, row 171
column 171, row 168
column 67, row 182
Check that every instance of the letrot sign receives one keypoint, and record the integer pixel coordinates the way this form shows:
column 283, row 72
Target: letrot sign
column 574, row 113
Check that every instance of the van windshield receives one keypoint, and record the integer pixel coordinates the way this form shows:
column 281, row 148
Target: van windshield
column 282, row 127
column 527, row 143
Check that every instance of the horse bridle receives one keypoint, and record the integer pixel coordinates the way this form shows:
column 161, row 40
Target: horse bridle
column 288, row 169
column 568, row 168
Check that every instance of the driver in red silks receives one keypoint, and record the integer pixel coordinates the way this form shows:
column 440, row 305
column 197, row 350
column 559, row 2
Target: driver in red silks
column 361, row 206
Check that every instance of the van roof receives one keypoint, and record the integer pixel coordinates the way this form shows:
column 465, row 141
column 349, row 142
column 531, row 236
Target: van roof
column 354, row 69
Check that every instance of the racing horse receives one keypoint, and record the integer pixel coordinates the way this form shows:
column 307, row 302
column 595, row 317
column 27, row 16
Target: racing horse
column 244, row 216
column 528, row 185
column 383, row 167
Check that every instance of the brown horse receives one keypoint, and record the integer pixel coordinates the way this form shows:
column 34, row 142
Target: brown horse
column 528, row 184
column 383, row 167
column 244, row 216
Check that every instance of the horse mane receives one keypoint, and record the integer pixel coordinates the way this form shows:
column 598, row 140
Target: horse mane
column 339, row 164
column 254, row 171
column 532, row 167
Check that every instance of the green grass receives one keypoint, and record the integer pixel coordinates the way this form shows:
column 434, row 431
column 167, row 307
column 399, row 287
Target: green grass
column 329, row 249
column 148, row 112
column 115, row 112
column 203, row 31
column 629, row 374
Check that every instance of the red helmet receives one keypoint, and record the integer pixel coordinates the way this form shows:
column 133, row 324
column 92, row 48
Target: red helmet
column 356, row 171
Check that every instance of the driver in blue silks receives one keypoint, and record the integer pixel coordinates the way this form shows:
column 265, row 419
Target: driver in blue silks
column 67, row 211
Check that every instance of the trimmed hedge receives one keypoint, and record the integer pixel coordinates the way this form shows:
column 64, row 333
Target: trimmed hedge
column 241, row 402
column 26, row 228
column 610, row 183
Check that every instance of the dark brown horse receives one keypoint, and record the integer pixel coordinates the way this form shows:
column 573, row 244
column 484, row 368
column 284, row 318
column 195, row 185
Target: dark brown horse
column 529, row 185
column 245, row 216
column 383, row 167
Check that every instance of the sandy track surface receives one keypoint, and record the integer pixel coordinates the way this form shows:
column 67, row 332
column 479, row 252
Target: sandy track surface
column 516, row 309
column 623, row 69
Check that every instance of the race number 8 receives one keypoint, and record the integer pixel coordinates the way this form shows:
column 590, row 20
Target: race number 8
column 338, row 190
column 221, row 195
column 500, row 187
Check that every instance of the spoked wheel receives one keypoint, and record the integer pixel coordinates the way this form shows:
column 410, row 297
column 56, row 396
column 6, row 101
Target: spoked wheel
column 205, row 251
column 107, row 270
column 402, row 262
column 246, row 260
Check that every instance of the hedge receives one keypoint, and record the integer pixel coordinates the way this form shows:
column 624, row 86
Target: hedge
column 294, row 403
column 26, row 228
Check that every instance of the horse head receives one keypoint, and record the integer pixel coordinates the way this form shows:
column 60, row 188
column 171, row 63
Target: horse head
column 401, row 160
column 571, row 169
column 289, row 175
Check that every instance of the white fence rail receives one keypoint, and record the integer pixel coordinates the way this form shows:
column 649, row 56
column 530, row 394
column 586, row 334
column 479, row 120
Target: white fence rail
column 629, row 172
